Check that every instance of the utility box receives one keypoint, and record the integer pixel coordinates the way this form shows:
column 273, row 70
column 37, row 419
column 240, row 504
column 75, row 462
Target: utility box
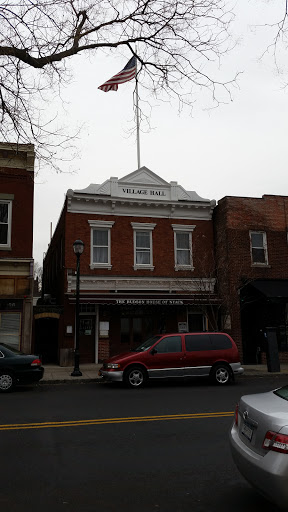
column 66, row 357
column 273, row 364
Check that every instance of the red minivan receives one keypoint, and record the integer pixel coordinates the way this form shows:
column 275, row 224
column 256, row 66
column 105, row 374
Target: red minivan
column 203, row 354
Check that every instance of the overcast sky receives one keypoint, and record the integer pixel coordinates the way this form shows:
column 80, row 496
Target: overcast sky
column 239, row 148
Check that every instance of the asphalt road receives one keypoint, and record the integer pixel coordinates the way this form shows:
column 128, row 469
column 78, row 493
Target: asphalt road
column 97, row 446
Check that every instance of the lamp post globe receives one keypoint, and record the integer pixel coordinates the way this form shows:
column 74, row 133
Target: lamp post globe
column 78, row 248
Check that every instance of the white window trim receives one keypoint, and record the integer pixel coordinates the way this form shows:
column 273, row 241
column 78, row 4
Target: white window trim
column 105, row 225
column 259, row 264
column 7, row 246
column 183, row 228
column 143, row 226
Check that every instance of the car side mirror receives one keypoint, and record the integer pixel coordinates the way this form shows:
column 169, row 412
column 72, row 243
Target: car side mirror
column 153, row 351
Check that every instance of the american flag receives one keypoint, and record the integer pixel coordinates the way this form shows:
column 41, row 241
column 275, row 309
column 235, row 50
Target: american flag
column 127, row 73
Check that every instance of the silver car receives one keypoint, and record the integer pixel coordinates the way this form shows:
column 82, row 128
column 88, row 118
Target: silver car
column 259, row 443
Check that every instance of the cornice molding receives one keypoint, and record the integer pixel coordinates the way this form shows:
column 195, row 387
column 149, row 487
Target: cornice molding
column 140, row 193
column 157, row 284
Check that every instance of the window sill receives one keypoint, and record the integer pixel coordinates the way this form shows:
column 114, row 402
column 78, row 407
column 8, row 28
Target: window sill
column 100, row 265
column 143, row 267
column 5, row 248
column 183, row 267
column 260, row 265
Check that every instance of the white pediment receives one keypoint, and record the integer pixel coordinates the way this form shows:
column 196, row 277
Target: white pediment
column 182, row 194
column 143, row 176
column 105, row 188
column 145, row 186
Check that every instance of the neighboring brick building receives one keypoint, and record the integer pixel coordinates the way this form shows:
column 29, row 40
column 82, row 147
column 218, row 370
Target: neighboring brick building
column 252, row 271
column 147, row 266
column 16, row 239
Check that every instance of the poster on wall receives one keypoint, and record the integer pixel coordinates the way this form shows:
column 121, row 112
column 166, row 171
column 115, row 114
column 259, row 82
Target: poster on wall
column 182, row 327
column 104, row 329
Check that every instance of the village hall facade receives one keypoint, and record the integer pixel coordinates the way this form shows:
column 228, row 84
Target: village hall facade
column 147, row 268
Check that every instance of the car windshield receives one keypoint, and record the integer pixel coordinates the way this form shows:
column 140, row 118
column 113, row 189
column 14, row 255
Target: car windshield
column 282, row 392
column 147, row 344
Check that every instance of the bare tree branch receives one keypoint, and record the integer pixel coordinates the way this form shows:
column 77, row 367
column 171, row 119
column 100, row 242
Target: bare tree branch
column 175, row 39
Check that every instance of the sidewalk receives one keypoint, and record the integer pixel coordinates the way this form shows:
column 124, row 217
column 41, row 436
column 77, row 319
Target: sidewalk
column 58, row 374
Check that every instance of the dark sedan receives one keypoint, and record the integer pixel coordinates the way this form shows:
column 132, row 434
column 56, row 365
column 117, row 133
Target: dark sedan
column 18, row 368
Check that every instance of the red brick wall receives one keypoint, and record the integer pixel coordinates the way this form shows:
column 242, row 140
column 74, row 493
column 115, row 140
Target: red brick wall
column 237, row 216
column 234, row 217
column 19, row 182
column 122, row 249
column 103, row 349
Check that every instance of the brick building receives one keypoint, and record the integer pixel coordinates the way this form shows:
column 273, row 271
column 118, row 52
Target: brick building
column 147, row 266
column 16, row 239
column 252, row 271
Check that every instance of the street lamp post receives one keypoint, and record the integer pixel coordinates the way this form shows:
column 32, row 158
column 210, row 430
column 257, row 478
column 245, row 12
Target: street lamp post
column 78, row 248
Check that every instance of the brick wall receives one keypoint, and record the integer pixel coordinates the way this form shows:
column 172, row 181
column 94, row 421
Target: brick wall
column 20, row 184
column 233, row 218
column 122, row 248
column 103, row 349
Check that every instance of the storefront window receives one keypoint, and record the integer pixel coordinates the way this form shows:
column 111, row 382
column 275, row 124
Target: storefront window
column 125, row 330
column 131, row 330
column 10, row 329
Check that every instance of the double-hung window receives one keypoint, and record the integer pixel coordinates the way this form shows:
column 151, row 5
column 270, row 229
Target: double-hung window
column 258, row 248
column 183, row 246
column 101, row 243
column 5, row 223
column 143, row 248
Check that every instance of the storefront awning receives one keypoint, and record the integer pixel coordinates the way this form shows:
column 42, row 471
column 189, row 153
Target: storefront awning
column 272, row 288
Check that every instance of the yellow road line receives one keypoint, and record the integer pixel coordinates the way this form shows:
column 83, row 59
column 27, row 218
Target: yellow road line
column 103, row 421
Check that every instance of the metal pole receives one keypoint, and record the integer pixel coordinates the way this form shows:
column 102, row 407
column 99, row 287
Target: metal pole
column 76, row 372
column 137, row 123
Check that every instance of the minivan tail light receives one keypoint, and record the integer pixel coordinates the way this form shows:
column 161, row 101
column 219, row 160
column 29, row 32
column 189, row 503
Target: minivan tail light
column 275, row 442
column 36, row 362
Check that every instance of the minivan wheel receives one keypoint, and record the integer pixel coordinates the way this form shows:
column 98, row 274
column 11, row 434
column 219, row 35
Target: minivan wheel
column 221, row 374
column 7, row 382
column 135, row 377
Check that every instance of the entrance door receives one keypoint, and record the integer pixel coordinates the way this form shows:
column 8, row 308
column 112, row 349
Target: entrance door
column 46, row 339
column 195, row 322
column 87, row 339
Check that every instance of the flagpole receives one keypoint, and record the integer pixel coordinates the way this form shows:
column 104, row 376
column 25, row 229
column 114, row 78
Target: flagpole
column 137, row 120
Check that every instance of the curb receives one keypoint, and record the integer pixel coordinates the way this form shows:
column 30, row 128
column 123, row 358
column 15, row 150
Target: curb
column 45, row 382
column 80, row 380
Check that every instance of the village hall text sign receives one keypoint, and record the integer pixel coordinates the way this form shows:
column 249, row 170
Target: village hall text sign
column 144, row 192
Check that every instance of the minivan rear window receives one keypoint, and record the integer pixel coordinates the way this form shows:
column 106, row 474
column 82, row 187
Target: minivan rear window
column 197, row 342
column 220, row 341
